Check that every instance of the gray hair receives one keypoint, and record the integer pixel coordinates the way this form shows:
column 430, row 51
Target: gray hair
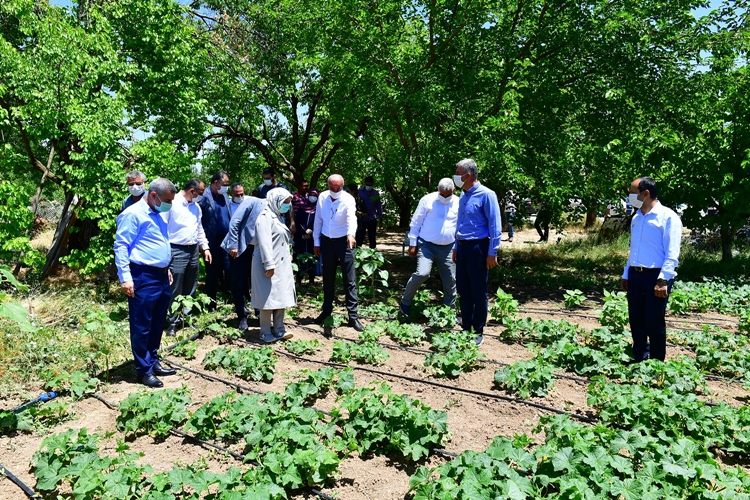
column 134, row 174
column 335, row 177
column 445, row 184
column 469, row 166
column 161, row 187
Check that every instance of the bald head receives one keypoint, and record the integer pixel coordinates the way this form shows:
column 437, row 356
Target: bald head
column 335, row 183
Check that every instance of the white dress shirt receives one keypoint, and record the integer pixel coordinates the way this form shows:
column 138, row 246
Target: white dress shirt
column 335, row 218
column 434, row 221
column 655, row 241
column 184, row 223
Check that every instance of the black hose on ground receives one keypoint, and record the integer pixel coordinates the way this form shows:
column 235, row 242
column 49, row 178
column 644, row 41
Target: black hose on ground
column 23, row 486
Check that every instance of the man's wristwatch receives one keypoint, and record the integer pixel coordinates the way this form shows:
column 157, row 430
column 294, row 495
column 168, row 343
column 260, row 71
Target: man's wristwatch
column 662, row 282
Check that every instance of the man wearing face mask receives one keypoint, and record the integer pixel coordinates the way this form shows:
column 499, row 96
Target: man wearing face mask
column 186, row 239
column 304, row 202
column 655, row 234
column 333, row 238
column 215, row 220
column 431, row 239
column 136, row 182
column 142, row 256
column 237, row 191
column 374, row 213
column 478, row 233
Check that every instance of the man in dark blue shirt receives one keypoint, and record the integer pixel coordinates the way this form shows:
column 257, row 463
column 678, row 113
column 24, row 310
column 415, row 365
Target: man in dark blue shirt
column 215, row 219
column 478, row 234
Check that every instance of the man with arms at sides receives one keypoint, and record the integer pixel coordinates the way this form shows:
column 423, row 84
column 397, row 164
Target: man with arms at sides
column 136, row 182
column 333, row 237
column 374, row 213
column 431, row 239
column 142, row 255
column 239, row 244
column 186, row 239
column 478, row 233
column 215, row 219
column 655, row 234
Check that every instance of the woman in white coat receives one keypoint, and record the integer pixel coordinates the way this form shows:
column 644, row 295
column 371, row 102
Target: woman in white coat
column 272, row 275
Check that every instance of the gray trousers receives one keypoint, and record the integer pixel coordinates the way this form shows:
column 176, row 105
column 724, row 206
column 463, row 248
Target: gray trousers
column 442, row 255
column 272, row 317
column 185, row 268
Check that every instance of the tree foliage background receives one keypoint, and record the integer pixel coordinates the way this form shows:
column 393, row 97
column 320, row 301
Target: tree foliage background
column 555, row 100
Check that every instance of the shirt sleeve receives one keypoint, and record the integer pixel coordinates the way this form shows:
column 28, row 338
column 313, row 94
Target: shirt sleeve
column 318, row 226
column 202, row 240
column 416, row 222
column 351, row 218
column 672, row 238
column 127, row 232
column 492, row 212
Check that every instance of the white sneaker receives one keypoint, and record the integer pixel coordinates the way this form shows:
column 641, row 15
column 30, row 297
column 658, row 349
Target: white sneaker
column 268, row 338
column 282, row 335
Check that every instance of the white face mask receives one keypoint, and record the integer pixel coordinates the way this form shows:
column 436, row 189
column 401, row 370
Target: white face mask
column 268, row 182
column 137, row 190
column 335, row 195
column 237, row 199
column 634, row 201
column 312, row 199
column 444, row 200
column 223, row 189
column 198, row 198
column 457, row 181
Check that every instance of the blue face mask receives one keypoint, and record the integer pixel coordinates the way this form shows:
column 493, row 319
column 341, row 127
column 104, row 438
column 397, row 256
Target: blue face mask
column 164, row 207
column 368, row 188
column 285, row 207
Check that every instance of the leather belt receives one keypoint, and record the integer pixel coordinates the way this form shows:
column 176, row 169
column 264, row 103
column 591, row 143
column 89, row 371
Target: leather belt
column 149, row 269
column 469, row 242
column 641, row 269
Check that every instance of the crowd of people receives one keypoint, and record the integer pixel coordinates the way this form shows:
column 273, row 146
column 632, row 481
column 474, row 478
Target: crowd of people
column 246, row 243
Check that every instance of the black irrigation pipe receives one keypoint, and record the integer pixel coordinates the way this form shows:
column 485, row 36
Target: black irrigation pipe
column 550, row 311
column 25, row 488
column 184, row 435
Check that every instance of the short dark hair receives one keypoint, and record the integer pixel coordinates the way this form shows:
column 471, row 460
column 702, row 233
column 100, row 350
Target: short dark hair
column 219, row 176
column 269, row 171
column 645, row 183
column 369, row 179
column 352, row 187
column 194, row 183
column 236, row 185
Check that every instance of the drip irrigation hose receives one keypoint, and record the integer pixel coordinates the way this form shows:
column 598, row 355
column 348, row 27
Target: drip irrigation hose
column 565, row 311
column 184, row 435
column 184, row 341
column 29, row 492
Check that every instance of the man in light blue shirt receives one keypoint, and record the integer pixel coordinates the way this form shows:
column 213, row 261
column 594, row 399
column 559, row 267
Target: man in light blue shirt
column 478, row 234
column 142, row 255
column 655, row 234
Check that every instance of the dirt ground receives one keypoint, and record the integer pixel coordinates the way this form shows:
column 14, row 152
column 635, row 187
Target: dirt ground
column 473, row 421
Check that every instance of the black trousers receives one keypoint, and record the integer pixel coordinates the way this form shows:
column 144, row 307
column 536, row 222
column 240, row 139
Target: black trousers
column 239, row 269
column 371, row 227
column 332, row 252
column 542, row 222
column 647, row 315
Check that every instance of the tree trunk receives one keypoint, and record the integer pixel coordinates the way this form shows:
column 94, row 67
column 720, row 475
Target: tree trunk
column 590, row 218
column 62, row 233
column 404, row 213
column 727, row 239
column 503, row 219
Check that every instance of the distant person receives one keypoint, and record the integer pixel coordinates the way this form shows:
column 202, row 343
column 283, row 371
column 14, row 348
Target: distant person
column 239, row 246
column 509, row 205
column 186, row 240
column 271, row 182
column 305, row 200
column 273, row 277
column 136, row 182
column 431, row 239
column 655, row 234
column 237, row 193
column 333, row 235
column 373, row 216
column 215, row 219
column 142, row 256
column 478, row 233
column 543, row 218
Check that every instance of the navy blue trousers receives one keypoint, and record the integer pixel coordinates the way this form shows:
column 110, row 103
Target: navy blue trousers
column 647, row 315
column 148, row 314
column 239, row 269
column 217, row 269
column 471, row 283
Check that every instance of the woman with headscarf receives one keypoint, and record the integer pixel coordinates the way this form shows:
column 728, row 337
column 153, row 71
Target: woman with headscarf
column 272, row 276
column 304, row 215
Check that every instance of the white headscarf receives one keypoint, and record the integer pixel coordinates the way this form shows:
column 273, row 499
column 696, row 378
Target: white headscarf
column 275, row 198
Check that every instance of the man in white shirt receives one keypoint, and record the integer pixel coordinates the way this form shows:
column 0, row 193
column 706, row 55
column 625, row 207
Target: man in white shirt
column 334, row 238
column 186, row 239
column 431, row 238
column 655, row 234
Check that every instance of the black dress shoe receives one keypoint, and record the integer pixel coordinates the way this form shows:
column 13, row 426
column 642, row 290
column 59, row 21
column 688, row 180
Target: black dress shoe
column 170, row 331
column 150, row 380
column 321, row 318
column 161, row 371
column 354, row 323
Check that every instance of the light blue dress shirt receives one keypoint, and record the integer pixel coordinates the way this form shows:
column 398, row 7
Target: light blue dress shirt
column 479, row 216
column 655, row 241
column 141, row 238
